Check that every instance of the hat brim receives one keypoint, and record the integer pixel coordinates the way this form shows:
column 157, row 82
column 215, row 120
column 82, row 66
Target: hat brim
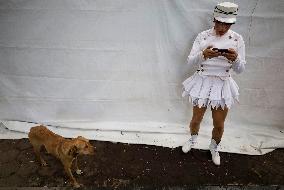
column 226, row 20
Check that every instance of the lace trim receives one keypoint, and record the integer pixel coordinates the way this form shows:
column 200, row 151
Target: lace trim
column 212, row 103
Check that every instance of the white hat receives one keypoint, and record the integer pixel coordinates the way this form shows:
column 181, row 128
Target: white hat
column 226, row 12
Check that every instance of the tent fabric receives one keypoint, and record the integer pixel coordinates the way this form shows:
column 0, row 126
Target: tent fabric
column 112, row 70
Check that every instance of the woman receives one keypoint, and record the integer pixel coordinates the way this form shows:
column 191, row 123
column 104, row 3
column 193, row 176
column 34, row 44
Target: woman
column 216, row 51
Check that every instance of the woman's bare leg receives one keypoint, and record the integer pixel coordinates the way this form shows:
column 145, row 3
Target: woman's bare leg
column 219, row 116
column 194, row 126
column 197, row 117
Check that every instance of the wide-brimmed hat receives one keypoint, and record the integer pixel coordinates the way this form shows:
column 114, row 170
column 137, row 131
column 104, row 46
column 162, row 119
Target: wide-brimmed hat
column 226, row 12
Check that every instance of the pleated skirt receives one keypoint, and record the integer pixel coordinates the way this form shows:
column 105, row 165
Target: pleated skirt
column 211, row 91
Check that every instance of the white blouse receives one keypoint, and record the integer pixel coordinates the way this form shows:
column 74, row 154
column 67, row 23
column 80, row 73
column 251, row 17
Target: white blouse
column 217, row 66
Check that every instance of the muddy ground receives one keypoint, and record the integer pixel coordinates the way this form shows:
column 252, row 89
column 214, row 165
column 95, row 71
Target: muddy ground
column 117, row 165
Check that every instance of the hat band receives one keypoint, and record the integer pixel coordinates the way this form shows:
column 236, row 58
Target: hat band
column 224, row 12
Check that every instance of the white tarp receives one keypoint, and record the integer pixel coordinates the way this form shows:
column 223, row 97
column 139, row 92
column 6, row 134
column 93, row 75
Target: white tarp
column 112, row 70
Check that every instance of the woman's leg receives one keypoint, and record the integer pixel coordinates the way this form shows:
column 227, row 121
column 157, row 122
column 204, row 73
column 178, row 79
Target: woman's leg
column 197, row 117
column 219, row 116
column 194, row 126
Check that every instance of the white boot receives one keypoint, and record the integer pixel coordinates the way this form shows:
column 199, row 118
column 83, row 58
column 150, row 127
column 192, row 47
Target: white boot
column 189, row 144
column 214, row 152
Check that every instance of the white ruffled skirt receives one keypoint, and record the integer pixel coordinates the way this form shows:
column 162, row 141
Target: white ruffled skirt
column 211, row 91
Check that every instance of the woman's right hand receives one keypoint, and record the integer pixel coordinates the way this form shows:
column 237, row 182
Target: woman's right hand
column 208, row 53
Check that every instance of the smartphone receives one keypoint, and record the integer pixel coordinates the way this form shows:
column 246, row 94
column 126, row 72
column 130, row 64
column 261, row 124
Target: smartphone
column 221, row 50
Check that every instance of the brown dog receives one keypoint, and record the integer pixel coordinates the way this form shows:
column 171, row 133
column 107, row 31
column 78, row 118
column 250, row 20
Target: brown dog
column 66, row 150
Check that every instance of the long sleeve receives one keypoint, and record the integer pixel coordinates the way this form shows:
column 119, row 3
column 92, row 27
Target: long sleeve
column 196, row 56
column 239, row 65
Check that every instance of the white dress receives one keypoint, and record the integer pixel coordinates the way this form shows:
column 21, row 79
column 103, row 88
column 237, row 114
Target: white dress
column 212, row 84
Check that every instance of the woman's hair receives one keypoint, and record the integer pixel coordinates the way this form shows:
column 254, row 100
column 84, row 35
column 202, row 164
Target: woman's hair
column 214, row 20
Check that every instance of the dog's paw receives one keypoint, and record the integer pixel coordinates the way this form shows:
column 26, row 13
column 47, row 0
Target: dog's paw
column 79, row 172
column 77, row 185
column 43, row 164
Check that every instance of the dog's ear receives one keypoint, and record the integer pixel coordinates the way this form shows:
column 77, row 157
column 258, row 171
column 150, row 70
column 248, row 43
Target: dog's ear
column 73, row 151
column 82, row 138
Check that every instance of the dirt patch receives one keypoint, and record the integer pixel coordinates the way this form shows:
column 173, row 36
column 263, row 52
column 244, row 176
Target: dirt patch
column 117, row 165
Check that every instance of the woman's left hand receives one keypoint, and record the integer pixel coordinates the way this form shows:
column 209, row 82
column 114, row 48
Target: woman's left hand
column 232, row 55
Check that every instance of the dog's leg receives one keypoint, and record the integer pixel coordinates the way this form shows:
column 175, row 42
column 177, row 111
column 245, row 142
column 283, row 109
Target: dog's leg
column 67, row 167
column 78, row 171
column 37, row 153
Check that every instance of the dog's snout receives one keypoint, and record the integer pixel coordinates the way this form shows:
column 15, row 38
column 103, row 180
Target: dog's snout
column 90, row 150
column 93, row 150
